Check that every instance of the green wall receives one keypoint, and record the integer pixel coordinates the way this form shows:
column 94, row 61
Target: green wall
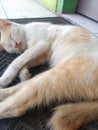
column 50, row 4
column 67, row 6
column 61, row 6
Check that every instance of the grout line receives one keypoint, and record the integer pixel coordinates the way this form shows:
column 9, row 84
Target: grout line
column 4, row 9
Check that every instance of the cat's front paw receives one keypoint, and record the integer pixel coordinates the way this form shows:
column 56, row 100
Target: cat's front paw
column 3, row 82
column 24, row 74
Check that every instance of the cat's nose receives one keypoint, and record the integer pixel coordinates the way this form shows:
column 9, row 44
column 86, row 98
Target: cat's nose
column 16, row 45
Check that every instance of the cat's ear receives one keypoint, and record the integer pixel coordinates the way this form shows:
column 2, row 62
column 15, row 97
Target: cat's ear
column 4, row 23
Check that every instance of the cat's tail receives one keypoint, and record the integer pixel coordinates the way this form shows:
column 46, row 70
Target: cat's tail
column 72, row 116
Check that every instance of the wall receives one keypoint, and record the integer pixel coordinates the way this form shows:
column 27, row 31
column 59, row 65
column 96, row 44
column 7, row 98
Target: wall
column 67, row 6
column 61, row 6
column 50, row 4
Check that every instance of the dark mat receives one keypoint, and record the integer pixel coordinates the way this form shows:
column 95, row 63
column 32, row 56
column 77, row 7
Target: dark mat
column 37, row 118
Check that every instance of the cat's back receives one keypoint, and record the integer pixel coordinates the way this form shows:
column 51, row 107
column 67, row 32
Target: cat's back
column 65, row 40
column 36, row 26
column 75, row 37
column 72, row 41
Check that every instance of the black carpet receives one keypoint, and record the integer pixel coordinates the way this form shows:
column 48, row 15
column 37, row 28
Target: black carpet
column 37, row 118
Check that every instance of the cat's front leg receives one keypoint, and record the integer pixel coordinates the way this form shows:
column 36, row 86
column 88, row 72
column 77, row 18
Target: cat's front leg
column 30, row 54
column 9, row 74
column 4, row 81
column 24, row 74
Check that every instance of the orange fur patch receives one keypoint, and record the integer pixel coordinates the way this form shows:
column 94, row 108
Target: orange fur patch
column 78, row 35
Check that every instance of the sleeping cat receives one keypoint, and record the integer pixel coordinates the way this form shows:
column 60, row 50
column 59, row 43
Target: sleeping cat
column 72, row 54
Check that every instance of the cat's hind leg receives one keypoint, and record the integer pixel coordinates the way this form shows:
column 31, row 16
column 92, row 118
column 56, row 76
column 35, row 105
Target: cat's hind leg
column 8, row 92
column 42, row 89
column 63, row 81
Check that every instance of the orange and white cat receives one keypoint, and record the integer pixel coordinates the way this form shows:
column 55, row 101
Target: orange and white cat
column 72, row 54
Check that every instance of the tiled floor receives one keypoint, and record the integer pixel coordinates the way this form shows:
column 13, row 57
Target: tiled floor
column 23, row 9
column 83, row 21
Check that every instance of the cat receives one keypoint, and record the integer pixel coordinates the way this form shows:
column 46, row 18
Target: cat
column 72, row 55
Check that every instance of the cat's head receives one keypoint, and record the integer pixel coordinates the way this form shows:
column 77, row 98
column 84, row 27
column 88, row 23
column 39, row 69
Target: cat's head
column 13, row 38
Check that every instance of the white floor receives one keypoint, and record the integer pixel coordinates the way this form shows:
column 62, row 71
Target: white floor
column 85, row 22
column 23, row 9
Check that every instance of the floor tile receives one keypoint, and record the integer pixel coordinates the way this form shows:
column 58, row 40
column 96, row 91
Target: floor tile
column 82, row 21
column 25, row 9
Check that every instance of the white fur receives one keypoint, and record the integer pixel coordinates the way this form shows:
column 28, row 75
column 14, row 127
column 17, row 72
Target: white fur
column 48, row 39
